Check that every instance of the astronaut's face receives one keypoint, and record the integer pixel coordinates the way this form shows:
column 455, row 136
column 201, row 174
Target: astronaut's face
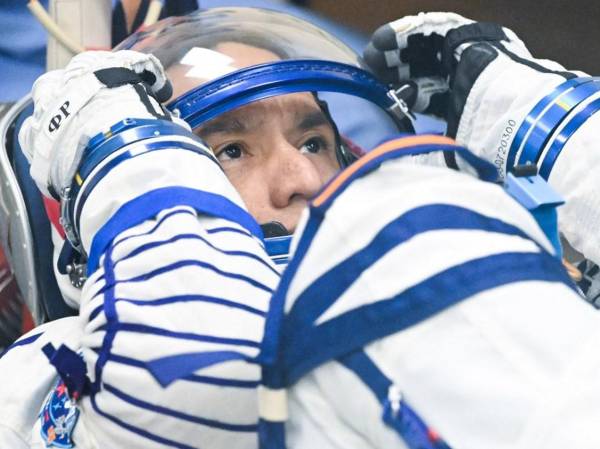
column 276, row 152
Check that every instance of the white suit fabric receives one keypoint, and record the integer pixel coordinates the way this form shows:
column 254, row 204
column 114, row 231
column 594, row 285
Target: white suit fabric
column 505, row 94
column 510, row 365
column 175, row 282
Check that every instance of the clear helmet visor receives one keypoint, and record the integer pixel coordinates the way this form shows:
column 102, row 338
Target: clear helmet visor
column 214, row 59
column 206, row 45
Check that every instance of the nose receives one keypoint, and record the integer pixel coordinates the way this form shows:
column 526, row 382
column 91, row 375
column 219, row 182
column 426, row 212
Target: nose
column 293, row 177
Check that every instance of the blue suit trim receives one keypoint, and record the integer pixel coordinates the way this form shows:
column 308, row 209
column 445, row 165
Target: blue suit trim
column 161, row 332
column 151, row 203
column 323, row 292
column 191, row 236
column 157, row 225
column 546, row 116
column 167, row 370
column 405, row 421
column 136, row 430
column 22, row 342
column 210, row 380
column 194, row 298
column 179, row 415
column 360, row 326
column 564, row 135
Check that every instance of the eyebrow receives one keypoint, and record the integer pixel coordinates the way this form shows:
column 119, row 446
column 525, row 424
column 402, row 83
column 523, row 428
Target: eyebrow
column 312, row 120
column 222, row 125
column 229, row 125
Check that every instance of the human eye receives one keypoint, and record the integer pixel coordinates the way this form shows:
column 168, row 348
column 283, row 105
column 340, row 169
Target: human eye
column 229, row 152
column 314, row 145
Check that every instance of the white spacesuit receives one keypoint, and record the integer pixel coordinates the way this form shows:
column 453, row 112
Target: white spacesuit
column 507, row 107
column 437, row 281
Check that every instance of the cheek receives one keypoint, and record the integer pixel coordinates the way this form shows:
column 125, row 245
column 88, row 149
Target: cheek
column 250, row 184
column 326, row 166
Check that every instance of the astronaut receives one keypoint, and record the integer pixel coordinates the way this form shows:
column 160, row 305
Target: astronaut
column 138, row 180
column 171, row 329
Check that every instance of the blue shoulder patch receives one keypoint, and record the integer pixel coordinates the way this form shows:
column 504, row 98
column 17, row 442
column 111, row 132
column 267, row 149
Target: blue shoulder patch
column 58, row 418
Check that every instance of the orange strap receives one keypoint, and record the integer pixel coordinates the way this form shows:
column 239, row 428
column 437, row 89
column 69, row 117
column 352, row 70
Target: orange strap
column 386, row 147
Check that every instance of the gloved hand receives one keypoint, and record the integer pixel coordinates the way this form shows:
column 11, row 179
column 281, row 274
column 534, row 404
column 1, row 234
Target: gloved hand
column 95, row 91
column 504, row 105
column 424, row 51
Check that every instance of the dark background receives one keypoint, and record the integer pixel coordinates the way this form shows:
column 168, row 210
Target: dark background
column 566, row 31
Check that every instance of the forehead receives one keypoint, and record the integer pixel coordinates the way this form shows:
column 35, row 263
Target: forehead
column 290, row 110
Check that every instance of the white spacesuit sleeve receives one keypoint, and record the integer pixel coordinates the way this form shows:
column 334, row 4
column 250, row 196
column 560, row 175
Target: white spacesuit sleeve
column 26, row 377
column 180, row 281
column 449, row 288
column 519, row 111
column 503, row 104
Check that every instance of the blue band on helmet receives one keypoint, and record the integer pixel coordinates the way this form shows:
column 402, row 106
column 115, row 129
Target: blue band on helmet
column 565, row 134
column 546, row 116
column 277, row 78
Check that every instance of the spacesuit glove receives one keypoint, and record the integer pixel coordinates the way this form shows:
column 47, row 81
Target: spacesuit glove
column 422, row 52
column 95, row 91
column 496, row 91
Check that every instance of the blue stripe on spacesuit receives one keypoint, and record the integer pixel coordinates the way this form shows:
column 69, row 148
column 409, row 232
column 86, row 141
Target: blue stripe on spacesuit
column 300, row 336
column 163, row 219
column 432, row 217
column 210, row 380
column 182, row 299
column 535, row 113
column 22, row 342
column 141, row 432
column 227, row 229
column 194, row 298
column 196, row 263
column 180, row 415
column 410, row 426
column 552, row 118
column 161, row 332
column 191, row 236
column 184, row 264
column 165, row 369
column 147, row 206
column 155, row 226
column 531, row 120
column 110, row 312
column 564, row 135
column 271, row 339
column 186, row 298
